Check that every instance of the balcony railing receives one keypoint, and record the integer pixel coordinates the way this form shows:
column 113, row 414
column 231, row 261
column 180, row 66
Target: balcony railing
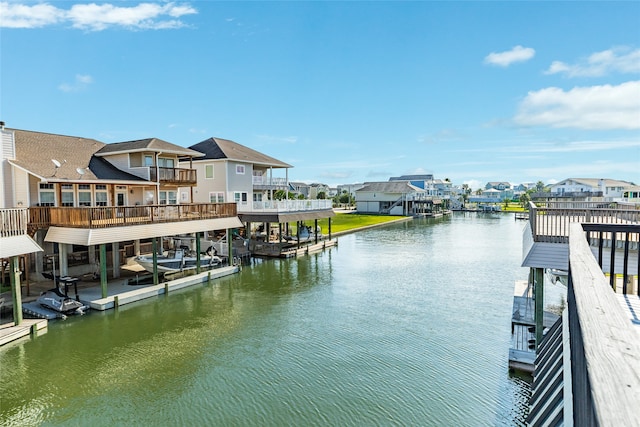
column 603, row 344
column 280, row 206
column 264, row 182
column 13, row 222
column 550, row 221
column 119, row 216
column 173, row 175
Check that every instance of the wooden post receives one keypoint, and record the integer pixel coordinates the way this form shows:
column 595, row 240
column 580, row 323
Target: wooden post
column 154, row 248
column 329, row 228
column 198, row 252
column 103, row 269
column 14, row 276
column 230, row 245
column 538, row 295
column 315, row 230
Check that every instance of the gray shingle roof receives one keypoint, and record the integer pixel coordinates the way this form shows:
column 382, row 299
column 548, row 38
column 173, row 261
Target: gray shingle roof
column 389, row 187
column 35, row 152
column 148, row 144
column 218, row 148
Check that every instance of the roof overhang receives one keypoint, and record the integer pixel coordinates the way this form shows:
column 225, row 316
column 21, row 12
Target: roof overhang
column 98, row 236
column 18, row 245
column 547, row 255
column 282, row 217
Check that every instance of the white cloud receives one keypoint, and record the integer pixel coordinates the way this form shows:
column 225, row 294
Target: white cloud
column 504, row 59
column 94, row 17
column 620, row 59
column 22, row 16
column 593, row 107
column 81, row 82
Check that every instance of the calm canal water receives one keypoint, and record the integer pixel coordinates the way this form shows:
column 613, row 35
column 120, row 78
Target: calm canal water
column 406, row 325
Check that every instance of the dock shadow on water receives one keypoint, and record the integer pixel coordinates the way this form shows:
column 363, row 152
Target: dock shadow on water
column 401, row 325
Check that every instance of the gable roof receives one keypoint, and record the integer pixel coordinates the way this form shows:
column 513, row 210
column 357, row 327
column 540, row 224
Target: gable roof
column 218, row 148
column 35, row 152
column 390, row 187
column 595, row 182
column 145, row 145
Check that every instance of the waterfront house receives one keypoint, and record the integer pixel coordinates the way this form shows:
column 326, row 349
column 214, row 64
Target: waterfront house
column 396, row 198
column 589, row 188
column 83, row 195
column 235, row 173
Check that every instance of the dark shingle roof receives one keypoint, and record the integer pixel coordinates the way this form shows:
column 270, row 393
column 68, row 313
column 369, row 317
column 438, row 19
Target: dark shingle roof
column 35, row 152
column 218, row 148
column 148, row 144
column 389, row 187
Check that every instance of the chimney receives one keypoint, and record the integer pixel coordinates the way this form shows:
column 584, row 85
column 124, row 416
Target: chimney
column 1, row 125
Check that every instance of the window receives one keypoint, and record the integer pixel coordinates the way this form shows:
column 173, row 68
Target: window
column 47, row 195
column 148, row 160
column 257, row 197
column 216, row 197
column 239, row 169
column 67, row 195
column 101, row 195
column 240, row 197
column 208, row 172
column 164, row 162
column 169, row 197
column 84, row 195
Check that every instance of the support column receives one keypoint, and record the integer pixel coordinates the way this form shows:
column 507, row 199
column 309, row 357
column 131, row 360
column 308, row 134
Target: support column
column 329, row 228
column 115, row 259
column 197, row 252
column 39, row 256
column 315, row 230
column 230, row 245
column 63, row 259
column 538, row 295
column 154, row 248
column 16, row 293
column 103, row 269
column 136, row 247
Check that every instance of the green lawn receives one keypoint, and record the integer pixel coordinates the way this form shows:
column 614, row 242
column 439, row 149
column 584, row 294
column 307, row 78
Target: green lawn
column 349, row 221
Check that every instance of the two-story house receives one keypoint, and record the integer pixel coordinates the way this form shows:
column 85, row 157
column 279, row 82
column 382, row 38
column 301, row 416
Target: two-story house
column 83, row 195
column 231, row 172
column 608, row 189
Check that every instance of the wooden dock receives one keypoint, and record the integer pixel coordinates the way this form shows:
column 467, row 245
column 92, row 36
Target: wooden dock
column 9, row 332
column 522, row 353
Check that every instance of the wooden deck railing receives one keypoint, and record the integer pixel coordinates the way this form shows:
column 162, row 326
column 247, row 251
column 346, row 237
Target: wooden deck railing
column 13, row 222
column 604, row 347
column 173, row 175
column 550, row 221
column 118, row 216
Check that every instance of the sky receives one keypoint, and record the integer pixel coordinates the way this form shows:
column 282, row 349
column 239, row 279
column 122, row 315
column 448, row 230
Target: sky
column 344, row 91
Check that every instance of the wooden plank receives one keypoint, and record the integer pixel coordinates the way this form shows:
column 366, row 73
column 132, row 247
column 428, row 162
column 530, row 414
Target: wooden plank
column 610, row 344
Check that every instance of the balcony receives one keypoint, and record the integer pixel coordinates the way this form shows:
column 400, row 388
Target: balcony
column 118, row 216
column 13, row 222
column 550, row 221
column 286, row 206
column 266, row 183
column 177, row 176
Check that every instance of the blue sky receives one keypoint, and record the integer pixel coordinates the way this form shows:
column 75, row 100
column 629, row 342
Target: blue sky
column 347, row 91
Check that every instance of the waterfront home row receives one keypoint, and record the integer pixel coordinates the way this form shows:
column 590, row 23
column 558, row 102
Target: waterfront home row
column 89, row 205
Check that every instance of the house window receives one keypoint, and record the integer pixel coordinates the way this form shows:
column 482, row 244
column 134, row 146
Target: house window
column 169, row 197
column 47, row 195
column 208, row 172
column 240, row 197
column 67, row 195
column 257, row 197
column 216, row 197
column 101, row 195
column 84, row 195
column 239, row 169
column 164, row 162
column 148, row 160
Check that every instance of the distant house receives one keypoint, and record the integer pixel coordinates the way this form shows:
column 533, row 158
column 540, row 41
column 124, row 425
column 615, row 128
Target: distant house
column 589, row 188
column 498, row 185
column 396, row 198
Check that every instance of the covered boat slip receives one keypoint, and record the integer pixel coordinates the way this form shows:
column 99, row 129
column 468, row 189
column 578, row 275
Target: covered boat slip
column 285, row 244
column 102, row 236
